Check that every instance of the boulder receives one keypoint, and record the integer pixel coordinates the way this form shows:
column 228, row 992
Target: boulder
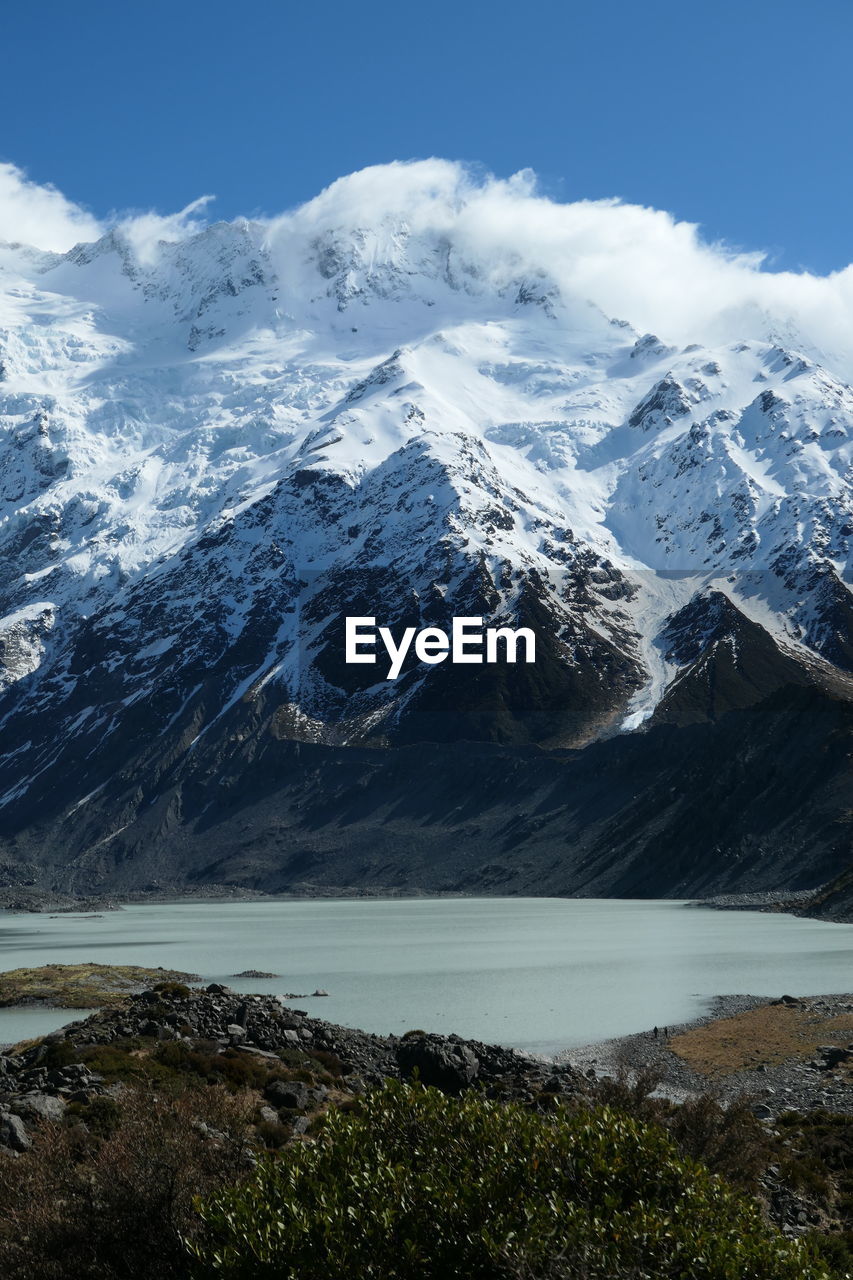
column 288, row 1093
column 13, row 1133
column 39, row 1106
column 833, row 1054
column 72, row 1076
column 255, row 1052
column 448, row 1066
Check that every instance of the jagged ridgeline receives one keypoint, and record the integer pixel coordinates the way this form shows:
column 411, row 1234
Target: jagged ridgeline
column 215, row 449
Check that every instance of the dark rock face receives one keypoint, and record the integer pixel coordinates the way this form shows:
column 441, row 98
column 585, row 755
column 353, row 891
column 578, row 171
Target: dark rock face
column 666, row 401
column 291, row 1094
column 757, row 799
column 727, row 663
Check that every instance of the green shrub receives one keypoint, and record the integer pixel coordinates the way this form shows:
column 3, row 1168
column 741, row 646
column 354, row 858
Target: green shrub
column 330, row 1062
column 177, row 990
column 417, row 1186
column 101, row 1116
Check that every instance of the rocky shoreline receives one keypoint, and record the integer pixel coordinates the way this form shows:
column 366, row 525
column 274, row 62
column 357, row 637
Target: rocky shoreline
column 782, row 1095
column 277, row 1046
column 39, row 1081
column 37, row 901
column 800, row 1081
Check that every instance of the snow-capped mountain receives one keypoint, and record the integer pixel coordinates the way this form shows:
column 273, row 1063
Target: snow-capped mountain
column 214, row 448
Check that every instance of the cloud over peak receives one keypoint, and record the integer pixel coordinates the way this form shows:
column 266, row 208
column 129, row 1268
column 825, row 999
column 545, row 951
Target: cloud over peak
column 40, row 215
column 635, row 263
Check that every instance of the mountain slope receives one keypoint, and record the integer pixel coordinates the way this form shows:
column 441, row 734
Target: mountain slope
column 758, row 799
column 215, row 448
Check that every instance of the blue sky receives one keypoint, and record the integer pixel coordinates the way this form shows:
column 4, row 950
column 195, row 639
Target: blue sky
column 734, row 115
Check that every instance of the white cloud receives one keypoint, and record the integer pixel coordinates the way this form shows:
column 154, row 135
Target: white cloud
column 635, row 263
column 40, row 215
column 146, row 231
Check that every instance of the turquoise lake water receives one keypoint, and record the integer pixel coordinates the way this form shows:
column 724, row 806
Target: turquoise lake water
column 540, row 974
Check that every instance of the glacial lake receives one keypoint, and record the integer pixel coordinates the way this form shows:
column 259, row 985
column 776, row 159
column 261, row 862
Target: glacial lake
column 541, row 974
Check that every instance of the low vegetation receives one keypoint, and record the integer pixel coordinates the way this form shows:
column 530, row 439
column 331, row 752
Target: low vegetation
column 109, row 1195
column 816, row 1160
column 172, row 1065
column 169, row 1140
column 184, row 1173
column 412, row 1185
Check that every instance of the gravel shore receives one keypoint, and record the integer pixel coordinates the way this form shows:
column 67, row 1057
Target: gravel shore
column 803, row 1081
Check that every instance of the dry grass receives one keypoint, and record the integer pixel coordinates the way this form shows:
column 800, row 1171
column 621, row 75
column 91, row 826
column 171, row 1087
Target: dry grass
column 81, row 986
column 769, row 1035
column 111, row 1198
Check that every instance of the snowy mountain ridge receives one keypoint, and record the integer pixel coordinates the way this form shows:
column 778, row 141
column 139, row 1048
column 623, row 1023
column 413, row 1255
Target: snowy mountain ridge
column 213, row 448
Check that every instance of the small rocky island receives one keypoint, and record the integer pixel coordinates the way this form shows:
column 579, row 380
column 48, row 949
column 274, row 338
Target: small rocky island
column 81, row 986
